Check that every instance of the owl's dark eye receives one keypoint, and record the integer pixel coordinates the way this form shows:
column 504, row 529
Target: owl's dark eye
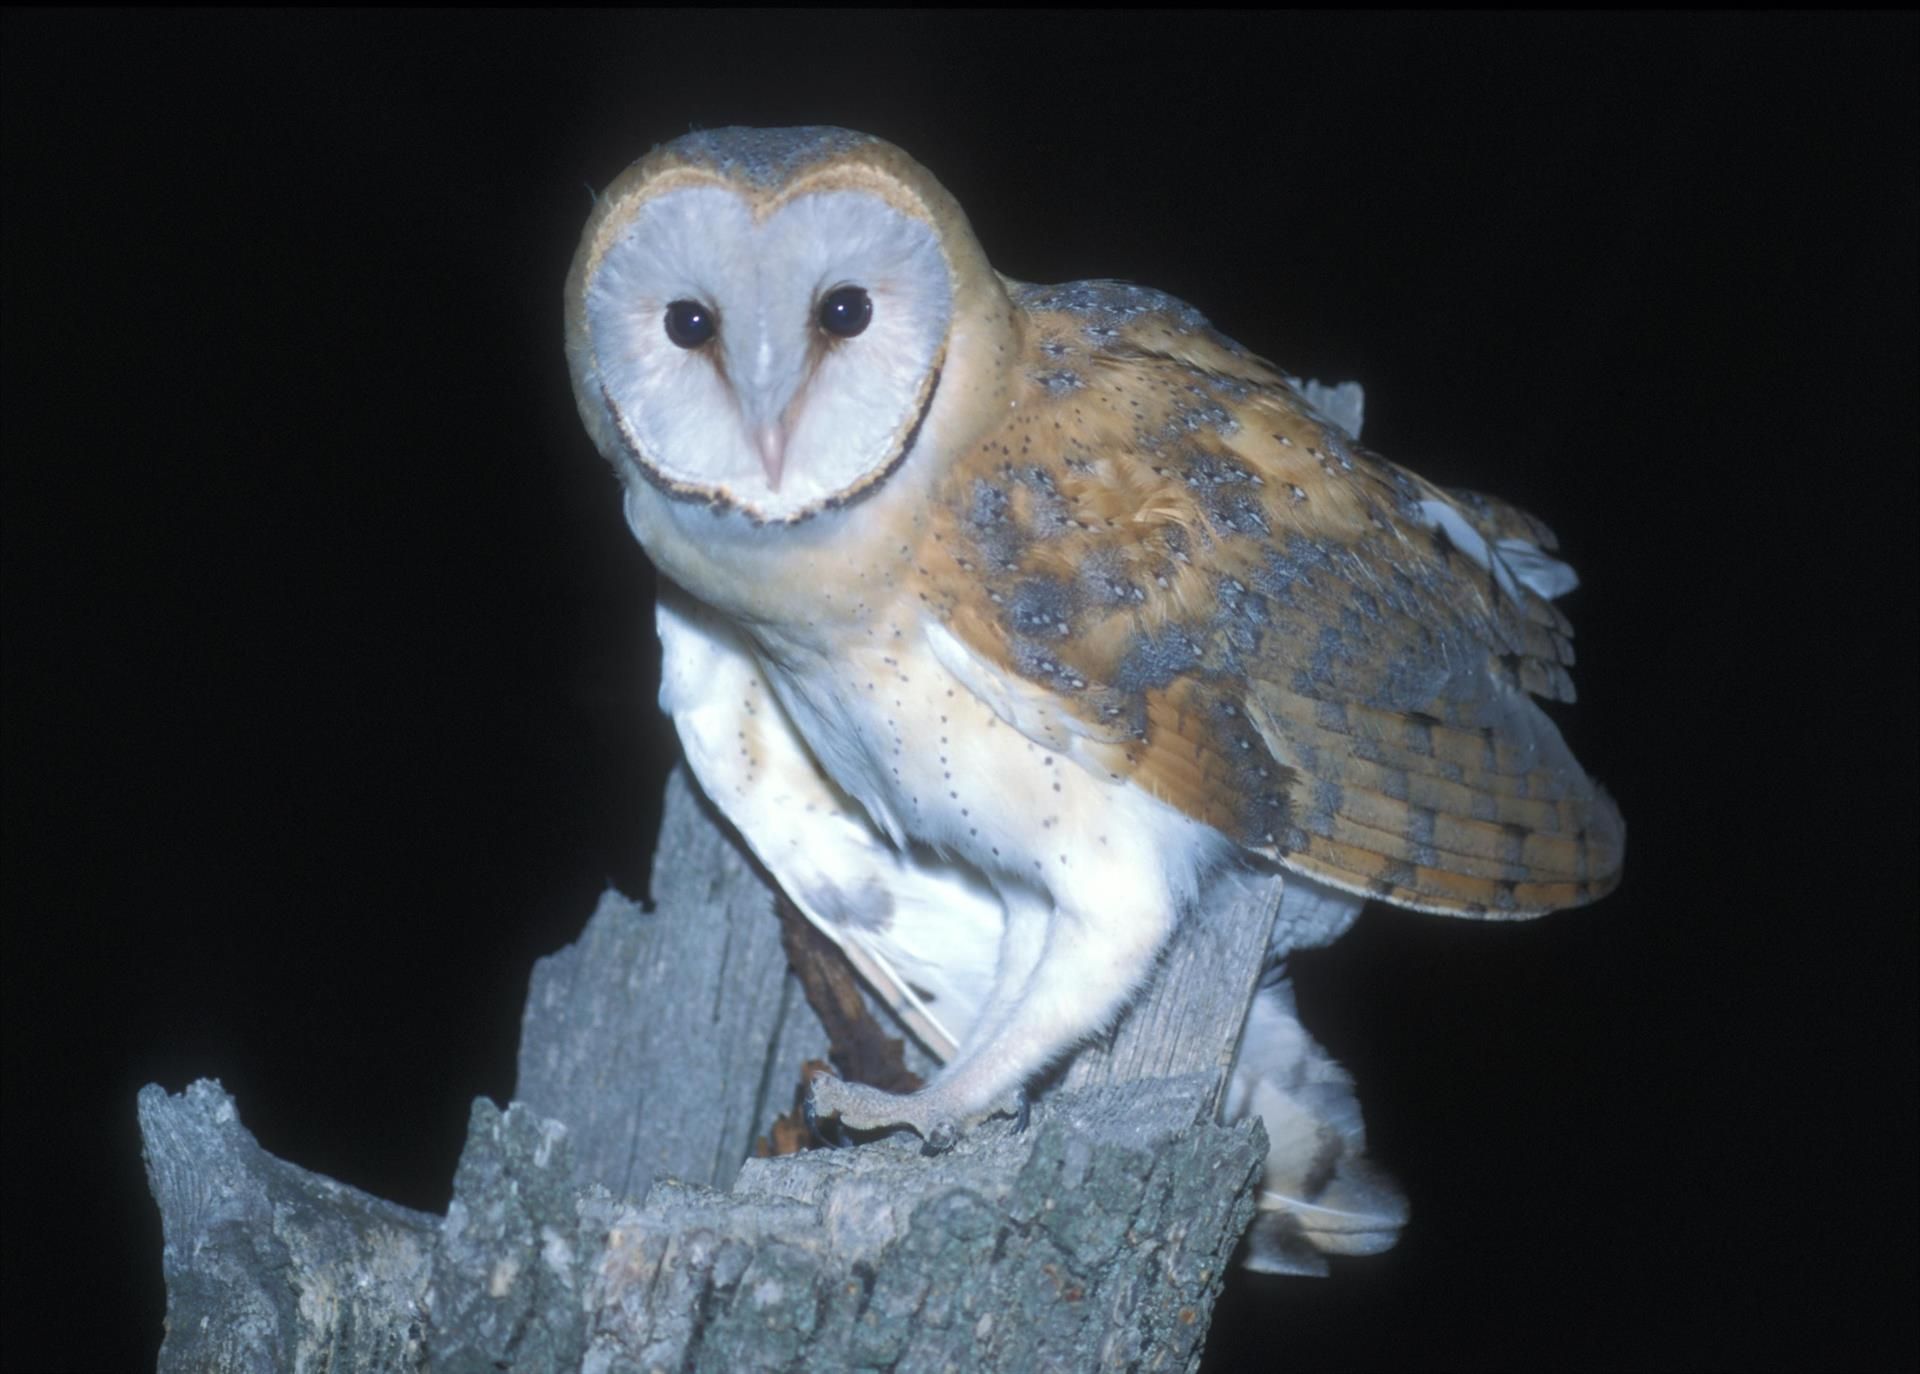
column 690, row 324
column 846, row 311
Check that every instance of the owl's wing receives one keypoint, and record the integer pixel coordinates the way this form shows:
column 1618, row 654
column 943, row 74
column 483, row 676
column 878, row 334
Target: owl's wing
column 1222, row 598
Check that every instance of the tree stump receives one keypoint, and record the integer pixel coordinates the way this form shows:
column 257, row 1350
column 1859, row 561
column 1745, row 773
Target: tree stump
column 613, row 1219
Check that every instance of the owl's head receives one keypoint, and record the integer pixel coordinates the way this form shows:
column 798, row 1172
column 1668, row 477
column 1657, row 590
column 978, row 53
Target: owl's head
column 762, row 322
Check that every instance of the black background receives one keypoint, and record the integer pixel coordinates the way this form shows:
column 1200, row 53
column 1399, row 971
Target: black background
column 328, row 662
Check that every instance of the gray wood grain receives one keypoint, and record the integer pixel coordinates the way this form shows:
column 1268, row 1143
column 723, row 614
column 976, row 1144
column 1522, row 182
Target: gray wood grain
column 667, row 1039
column 269, row 1267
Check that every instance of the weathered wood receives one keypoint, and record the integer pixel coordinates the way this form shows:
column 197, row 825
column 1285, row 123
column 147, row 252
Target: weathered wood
column 1097, row 1239
column 667, row 1040
column 607, row 1221
column 269, row 1267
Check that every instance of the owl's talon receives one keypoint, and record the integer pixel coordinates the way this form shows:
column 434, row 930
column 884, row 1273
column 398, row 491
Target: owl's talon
column 1022, row 1111
column 929, row 1113
column 837, row 1140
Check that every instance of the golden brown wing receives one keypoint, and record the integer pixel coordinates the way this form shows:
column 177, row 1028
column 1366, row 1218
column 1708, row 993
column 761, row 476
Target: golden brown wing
column 1324, row 656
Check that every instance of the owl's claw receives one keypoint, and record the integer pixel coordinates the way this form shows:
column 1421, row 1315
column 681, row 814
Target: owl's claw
column 837, row 1141
column 929, row 1113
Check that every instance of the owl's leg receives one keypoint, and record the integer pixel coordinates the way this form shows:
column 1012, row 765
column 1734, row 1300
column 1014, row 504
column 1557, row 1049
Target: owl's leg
column 937, row 1115
column 1029, row 913
column 919, row 931
column 1321, row 1195
column 1088, row 963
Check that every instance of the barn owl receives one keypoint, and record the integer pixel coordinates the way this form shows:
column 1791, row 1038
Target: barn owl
column 999, row 617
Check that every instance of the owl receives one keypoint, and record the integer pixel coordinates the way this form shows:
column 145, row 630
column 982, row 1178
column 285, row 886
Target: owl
column 999, row 618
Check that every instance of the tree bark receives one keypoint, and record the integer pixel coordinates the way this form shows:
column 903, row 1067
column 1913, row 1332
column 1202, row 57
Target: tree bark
column 611, row 1219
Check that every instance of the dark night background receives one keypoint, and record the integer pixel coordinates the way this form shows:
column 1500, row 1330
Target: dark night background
column 328, row 663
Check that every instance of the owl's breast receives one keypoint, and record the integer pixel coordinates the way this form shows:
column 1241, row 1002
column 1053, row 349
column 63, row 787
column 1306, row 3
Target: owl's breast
column 936, row 755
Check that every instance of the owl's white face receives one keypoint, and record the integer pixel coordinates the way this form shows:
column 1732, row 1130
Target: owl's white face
column 772, row 361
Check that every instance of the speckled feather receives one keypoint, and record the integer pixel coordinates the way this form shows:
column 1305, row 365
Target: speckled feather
column 1233, row 605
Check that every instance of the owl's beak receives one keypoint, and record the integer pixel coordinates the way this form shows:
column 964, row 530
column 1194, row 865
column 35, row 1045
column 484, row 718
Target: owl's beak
column 768, row 394
column 771, row 440
column 771, row 383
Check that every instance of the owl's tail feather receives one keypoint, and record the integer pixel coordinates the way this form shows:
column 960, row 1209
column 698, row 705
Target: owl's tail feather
column 1359, row 1212
column 1321, row 1195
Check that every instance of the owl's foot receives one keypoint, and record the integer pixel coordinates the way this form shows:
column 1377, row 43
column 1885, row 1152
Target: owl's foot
column 938, row 1117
